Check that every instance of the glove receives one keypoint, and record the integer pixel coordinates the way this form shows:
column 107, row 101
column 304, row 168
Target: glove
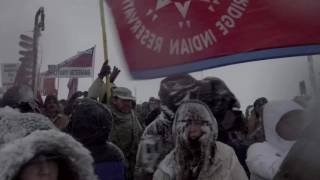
column 105, row 70
column 114, row 74
column 76, row 95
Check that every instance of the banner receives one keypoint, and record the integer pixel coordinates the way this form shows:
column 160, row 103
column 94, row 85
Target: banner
column 163, row 37
column 78, row 66
column 8, row 74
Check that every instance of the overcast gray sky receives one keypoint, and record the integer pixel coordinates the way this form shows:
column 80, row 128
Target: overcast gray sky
column 74, row 25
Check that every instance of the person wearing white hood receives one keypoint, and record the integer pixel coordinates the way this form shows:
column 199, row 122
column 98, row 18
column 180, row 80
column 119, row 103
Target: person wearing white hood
column 197, row 154
column 283, row 121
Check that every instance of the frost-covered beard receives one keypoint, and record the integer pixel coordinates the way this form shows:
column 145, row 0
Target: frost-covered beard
column 194, row 156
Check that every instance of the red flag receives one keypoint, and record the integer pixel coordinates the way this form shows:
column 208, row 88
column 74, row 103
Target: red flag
column 47, row 84
column 79, row 66
column 163, row 37
column 82, row 59
column 72, row 86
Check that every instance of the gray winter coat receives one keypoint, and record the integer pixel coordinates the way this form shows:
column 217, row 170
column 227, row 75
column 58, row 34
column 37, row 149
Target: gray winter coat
column 156, row 142
column 23, row 136
column 225, row 166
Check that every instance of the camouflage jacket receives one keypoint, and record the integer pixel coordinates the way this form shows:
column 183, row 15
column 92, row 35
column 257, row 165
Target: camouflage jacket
column 126, row 133
column 156, row 142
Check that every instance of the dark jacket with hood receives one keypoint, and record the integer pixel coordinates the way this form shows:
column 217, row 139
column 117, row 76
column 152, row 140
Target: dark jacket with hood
column 25, row 136
column 225, row 107
column 156, row 140
column 91, row 124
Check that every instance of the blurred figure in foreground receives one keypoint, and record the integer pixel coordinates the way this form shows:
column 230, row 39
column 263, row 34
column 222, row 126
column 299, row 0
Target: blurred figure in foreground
column 32, row 149
column 303, row 160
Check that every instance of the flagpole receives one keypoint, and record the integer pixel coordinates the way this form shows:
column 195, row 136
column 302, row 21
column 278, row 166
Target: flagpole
column 58, row 81
column 312, row 75
column 105, row 48
column 135, row 92
column 93, row 62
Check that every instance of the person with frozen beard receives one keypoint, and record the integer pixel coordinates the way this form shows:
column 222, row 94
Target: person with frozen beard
column 197, row 154
column 31, row 148
column 156, row 140
column 53, row 111
column 91, row 123
column 283, row 122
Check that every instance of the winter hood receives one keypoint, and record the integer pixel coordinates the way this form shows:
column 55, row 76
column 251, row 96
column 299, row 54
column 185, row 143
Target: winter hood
column 272, row 113
column 23, row 136
column 91, row 122
column 7, row 110
column 15, row 125
column 192, row 109
column 188, row 111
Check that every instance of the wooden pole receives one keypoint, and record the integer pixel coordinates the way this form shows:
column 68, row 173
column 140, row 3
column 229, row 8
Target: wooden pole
column 38, row 27
column 105, row 48
column 312, row 75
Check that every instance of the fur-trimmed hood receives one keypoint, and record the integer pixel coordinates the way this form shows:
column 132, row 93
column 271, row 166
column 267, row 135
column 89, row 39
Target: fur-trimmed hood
column 188, row 111
column 15, row 125
column 36, row 134
column 194, row 109
column 5, row 111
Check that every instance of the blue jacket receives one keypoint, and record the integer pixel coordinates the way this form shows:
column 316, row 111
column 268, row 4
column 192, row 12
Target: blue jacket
column 110, row 170
column 109, row 162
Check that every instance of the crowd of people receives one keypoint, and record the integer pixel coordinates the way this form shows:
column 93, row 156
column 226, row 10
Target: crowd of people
column 194, row 131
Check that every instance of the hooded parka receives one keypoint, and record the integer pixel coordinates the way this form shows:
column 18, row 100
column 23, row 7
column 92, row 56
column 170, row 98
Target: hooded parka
column 264, row 159
column 91, row 123
column 214, row 160
column 156, row 141
column 25, row 136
